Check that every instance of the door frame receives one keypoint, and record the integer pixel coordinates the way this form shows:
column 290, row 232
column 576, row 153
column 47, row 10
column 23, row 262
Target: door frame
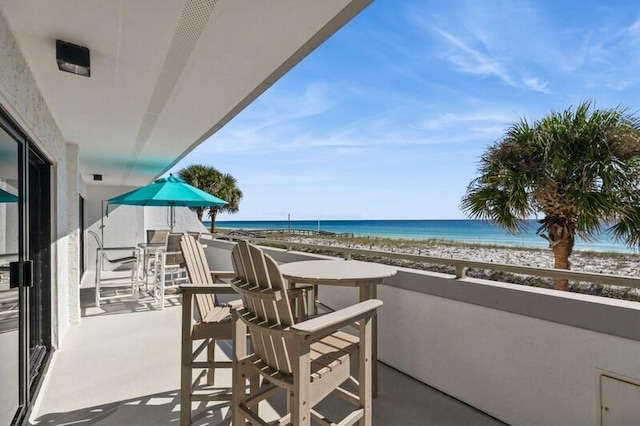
column 27, row 392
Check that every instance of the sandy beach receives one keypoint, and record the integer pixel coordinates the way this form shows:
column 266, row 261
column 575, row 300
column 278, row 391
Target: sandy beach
column 627, row 264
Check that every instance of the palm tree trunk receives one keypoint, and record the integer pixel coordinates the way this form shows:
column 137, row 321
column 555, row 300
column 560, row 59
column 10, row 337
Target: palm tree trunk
column 562, row 249
column 212, row 214
column 200, row 211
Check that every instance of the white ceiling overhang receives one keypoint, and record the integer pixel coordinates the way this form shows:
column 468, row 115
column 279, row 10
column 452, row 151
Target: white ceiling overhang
column 165, row 74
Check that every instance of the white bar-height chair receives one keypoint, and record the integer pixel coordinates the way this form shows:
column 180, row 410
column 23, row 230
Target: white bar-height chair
column 170, row 270
column 156, row 240
column 102, row 257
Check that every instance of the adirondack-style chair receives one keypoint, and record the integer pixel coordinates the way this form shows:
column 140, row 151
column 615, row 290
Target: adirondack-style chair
column 297, row 296
column 214, row 322
column 309, row 360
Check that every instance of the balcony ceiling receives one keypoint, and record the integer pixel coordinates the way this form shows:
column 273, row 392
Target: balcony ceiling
column 165, row 74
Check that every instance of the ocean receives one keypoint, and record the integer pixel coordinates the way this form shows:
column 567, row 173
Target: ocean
column 466, row 231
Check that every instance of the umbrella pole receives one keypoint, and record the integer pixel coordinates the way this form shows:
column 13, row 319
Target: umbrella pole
column 172, row 217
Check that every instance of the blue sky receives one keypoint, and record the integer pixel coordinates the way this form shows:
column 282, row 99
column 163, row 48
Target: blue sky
column 388, row 118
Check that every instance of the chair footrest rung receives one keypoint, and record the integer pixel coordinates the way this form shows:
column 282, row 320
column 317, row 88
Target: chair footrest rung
column 209, row 364
column 352, row 418
column 219, row 396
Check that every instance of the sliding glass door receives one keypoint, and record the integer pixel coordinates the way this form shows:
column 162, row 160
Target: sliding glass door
column 10, row 293
column 39, row 251
column 25, row 270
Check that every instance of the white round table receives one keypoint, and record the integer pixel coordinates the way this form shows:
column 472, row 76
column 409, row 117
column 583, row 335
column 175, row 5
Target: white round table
column 350, row 273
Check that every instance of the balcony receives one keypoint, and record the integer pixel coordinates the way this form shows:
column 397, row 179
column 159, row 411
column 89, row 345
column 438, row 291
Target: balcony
column 521, row 355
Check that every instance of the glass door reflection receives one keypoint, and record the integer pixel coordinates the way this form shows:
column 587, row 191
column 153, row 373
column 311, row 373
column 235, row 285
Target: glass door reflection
column 9, row 297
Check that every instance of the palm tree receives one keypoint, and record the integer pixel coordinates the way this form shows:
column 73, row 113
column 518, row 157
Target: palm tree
column 202, row 177
column 579, row 168
column 227, row 189
column 210, row 180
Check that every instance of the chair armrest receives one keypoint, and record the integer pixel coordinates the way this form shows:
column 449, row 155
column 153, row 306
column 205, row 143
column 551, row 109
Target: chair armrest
column 222, row 274
column 235, row 304
column 326, row 324
column 295, row 292
column 163, row 252
column 117, row 248
column 206, row 289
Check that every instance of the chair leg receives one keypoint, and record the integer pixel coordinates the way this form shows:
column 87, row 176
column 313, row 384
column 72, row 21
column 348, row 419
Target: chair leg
column 300, row 395
column 211, row 357
column 134, row 278
column 97, row 279
column 365, row 369
column 185, row 362
column 162, row 283
column 239, row 396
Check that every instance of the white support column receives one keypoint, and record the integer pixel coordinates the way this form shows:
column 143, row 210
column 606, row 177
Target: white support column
column 73, row 231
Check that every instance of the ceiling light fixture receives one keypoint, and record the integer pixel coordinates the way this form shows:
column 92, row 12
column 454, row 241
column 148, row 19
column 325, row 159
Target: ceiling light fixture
column 73, row 58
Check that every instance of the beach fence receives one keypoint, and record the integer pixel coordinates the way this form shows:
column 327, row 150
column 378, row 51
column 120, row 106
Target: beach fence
column 263, row 233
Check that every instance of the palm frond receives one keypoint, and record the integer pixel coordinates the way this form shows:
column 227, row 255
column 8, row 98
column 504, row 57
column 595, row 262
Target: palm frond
column 579, row 167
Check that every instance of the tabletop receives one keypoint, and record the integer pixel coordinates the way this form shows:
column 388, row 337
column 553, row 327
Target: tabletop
column 335, row 271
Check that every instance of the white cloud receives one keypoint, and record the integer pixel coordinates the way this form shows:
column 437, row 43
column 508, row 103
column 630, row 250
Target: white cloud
column 457, row 120
column 537, row 85
column 634, row 28
column 472, row 61
column 282, row 106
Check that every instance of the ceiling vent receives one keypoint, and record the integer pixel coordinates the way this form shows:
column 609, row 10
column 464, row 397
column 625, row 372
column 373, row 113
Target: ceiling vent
column 97, row 177
column 73, row 58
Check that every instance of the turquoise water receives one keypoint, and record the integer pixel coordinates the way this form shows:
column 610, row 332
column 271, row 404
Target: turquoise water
column 468, row 231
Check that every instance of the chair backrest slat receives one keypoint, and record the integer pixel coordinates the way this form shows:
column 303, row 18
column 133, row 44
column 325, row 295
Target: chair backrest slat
column 240, row 255
column 261, row 274
column 198, row 271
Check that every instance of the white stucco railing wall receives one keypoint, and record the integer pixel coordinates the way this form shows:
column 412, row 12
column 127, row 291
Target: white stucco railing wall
column 526, row 356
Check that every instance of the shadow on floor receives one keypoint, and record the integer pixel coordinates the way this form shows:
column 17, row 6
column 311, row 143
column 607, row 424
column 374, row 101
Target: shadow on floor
column 140, row 302
column 149, row 410
column 401, row 401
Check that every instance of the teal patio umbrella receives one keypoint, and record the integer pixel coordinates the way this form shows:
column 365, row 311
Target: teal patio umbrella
column 171, row 191
column 6, row 197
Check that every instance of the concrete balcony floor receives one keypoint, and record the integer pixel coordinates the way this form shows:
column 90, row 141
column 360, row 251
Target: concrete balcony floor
column 120, row 366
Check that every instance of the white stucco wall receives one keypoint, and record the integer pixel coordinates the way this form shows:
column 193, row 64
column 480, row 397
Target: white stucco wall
column 124, row 227
column 521, row 369
column 73, row 236
column 185, row 219
column 22, row 99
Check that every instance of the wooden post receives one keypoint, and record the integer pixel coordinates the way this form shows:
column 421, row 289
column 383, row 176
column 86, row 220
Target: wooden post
column 211, row 357
column 239, row 386
column 185, row 367
column 365, row 374
column 300, row 395
column 367, row 292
